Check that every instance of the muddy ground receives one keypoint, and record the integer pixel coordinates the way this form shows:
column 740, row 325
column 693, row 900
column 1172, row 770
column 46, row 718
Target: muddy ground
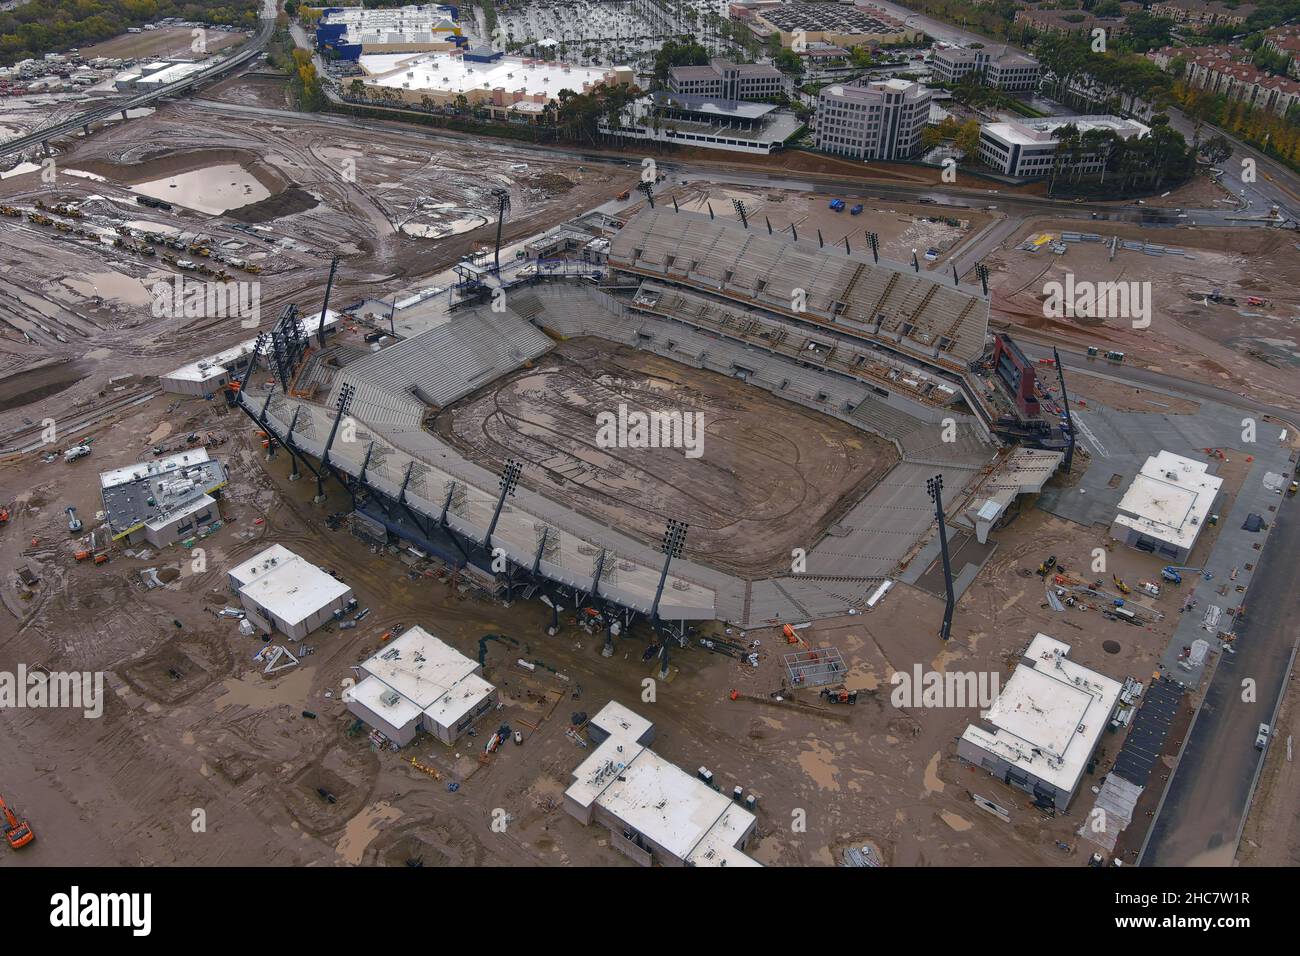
column 192, row 724
column 162, row 43
column 1245, row 348
column 764, row 476
column 78, row 299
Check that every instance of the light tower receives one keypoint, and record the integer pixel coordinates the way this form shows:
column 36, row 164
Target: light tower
column 508, row 482
column 934, row 486
column 503, row 207
column 674, row 541
column 739, row 206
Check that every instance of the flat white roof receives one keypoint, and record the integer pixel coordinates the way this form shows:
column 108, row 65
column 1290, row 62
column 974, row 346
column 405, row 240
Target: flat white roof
column 1041, row 132
column 287, row 585
column 216, row 365
column 145, row 469
column 195, row 505
column 452, row 73
column 1049, row 716
column 658, row 799
column 378, row 697
column 617, row 720
column 1170, row 499
column 429, row 675
column 172, row 72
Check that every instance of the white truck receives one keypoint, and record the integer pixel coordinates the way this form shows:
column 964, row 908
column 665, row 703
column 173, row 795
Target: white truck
column 75, row 452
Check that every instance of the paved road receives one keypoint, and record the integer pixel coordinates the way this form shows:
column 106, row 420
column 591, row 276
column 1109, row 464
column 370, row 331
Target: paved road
column 1209, row 796
column 1140, row 376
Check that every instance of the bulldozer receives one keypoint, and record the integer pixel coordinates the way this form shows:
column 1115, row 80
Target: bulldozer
column 17, row 832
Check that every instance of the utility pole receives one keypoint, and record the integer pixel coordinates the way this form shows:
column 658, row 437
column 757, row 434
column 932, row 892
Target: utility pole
column 934, row 486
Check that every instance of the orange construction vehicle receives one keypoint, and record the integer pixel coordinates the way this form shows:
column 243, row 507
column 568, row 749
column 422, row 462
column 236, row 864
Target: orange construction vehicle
column 17, row 832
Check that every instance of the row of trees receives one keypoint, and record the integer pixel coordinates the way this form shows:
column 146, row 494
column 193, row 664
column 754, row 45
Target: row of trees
column 51, row 26
column 1106, row 80
column 572, row 117
column 965, row 136
column 1279, row 136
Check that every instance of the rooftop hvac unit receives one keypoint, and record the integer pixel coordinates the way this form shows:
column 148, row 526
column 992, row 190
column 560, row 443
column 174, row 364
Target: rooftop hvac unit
column 389, row 698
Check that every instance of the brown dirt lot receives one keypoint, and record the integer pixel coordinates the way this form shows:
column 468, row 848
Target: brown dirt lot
column 169, row 41
column 770, row 476
column 1237, row 346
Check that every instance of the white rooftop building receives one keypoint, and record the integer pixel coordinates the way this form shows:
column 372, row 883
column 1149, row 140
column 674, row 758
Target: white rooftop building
column 655, row 811
column 1166, row 506
column 207, row 375
column 1027, row 148
column 418, row 682
column 1044, row 726
column 484, row 78
column 283, row 591
column 152, row 76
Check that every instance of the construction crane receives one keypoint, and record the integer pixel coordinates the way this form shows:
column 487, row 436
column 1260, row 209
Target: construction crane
column 17, row 832
column 1170, row 573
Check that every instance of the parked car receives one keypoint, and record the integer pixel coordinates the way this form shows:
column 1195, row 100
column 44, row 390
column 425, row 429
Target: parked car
column 1261, row 738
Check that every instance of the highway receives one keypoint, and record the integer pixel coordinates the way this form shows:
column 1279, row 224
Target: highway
column 255, row 45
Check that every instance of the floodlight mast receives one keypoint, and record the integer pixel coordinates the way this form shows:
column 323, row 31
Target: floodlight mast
column 934, row 487
column 673, row 543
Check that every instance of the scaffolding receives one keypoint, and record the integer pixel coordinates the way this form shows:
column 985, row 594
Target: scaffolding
column 815, row 667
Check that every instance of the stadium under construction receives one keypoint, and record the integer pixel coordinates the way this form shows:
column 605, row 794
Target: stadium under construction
column 901, row 357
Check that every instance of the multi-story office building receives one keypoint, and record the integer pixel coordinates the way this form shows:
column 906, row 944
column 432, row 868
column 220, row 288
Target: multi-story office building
column 1000, row 68
column 878, row 120
column 724, row 80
